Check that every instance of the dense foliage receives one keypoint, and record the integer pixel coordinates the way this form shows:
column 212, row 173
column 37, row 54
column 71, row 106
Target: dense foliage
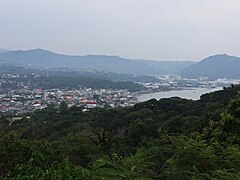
column 77, row 72
column 167, row 139
column 67, row 82
column 74, row 82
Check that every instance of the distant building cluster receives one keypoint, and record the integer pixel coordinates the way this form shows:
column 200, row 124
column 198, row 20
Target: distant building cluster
column 26, row 100
column 23, row 98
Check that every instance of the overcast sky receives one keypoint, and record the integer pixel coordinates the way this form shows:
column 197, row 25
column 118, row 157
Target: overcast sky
column 150, row 29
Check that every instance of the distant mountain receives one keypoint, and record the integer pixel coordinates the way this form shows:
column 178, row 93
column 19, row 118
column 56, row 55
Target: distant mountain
column 112, row 76
column 170, row 67
column 42, row 58
column 39, row 58
column 214, row 67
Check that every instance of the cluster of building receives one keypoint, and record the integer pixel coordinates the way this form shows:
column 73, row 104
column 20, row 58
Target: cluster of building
column 171, row 82
column 19, row 101
column 18, row 97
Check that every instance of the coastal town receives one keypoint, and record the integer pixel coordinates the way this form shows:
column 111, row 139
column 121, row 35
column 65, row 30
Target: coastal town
column 19, row 97
column 28, row 99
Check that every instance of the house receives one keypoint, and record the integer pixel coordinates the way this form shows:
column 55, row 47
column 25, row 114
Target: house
column 91, row 104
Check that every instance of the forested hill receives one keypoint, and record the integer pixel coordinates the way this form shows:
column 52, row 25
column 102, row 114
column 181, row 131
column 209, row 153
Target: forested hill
column 214, row 67
column 39, row 58
column 167, row 139
column 75, row 72
column 62, row 82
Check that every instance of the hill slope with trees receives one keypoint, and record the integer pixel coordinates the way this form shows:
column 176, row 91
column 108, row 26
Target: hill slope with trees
column 39, row 58
column 215, row 67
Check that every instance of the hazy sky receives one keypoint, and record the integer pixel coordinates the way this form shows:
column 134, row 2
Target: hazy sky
column 150, row 29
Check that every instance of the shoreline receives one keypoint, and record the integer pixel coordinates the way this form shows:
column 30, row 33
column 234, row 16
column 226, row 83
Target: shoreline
column 182, row 93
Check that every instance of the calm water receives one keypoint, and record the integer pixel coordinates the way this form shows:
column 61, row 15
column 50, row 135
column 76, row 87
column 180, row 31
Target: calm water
column 193, row 94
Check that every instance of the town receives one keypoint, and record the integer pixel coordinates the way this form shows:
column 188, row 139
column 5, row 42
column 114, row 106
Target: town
column 19, row 98
column 19, row 94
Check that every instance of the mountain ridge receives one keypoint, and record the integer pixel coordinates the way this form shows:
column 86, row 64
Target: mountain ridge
column 42, row 59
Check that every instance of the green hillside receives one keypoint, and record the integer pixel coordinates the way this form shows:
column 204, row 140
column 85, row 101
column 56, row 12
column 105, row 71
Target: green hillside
column 215, row 67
